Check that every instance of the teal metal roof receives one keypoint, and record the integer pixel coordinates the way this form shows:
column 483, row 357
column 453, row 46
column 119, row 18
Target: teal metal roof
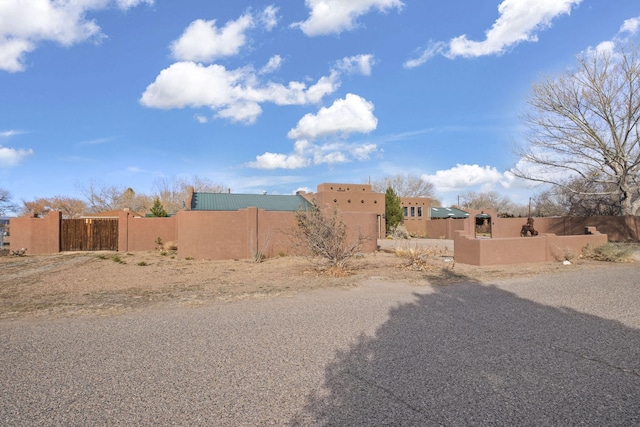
column 441, row 213
column 234, row 202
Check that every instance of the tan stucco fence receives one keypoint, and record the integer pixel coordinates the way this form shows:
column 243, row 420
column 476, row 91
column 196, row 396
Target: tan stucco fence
column 198, row 234
column 241, row 234
column 557, row 239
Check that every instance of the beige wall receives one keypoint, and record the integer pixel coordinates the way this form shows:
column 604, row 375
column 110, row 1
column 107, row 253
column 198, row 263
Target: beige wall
column 442, row 228
column 618, row 228
column 418, row 210
column 37, row 235
column 507, row 247
column 520, row 250
column 141, row 233
column 238, row 235
column 351, row 198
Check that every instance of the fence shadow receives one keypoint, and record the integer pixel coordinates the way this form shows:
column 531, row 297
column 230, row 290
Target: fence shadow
column 474, row 354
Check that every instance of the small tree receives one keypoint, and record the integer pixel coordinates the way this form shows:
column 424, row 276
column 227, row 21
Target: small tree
column 325, row 236
column 392, row 210
column 157, row 209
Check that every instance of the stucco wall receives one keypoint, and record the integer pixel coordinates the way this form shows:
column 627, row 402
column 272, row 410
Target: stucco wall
column 435, row 228
column 214, row 234
column 520, row 250
column 142, row 233
column 507, row 247
column 618, row 228
column 37, row 235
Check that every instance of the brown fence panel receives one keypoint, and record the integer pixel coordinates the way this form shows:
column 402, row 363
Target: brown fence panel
column 89, row 235
column 103, row 235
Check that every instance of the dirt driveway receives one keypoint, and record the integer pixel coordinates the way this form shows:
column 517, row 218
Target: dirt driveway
column 106, row 283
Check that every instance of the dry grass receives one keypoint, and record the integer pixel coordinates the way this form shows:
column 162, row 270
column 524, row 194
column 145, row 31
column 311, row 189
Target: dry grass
column 419, row 258
column 610, row 252
column 107, row 283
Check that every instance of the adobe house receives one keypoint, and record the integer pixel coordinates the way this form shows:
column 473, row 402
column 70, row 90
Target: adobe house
column 351, row 199
column 236, row 226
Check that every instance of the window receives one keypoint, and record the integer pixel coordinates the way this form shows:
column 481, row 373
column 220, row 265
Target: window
column 413, row 211
column 406, row 211
column 419, row 211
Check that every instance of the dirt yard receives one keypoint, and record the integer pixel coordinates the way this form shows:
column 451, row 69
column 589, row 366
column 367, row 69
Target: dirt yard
column 104, row 283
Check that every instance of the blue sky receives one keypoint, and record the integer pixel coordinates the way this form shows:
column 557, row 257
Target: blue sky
column 279, row 96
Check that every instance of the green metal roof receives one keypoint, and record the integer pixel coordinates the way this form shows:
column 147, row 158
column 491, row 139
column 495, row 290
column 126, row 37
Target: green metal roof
column 441, row 213
column 234, row 202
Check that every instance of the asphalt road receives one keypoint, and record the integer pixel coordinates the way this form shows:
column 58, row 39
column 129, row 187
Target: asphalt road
column 553, row 350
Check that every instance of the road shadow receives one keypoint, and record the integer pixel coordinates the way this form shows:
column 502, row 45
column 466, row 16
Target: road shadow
column 473, row 354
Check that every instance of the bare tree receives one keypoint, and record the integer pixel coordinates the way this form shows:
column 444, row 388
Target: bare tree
column 550, row 203
column 174, row 192
column 108, row 198
column 591, row 200
column 68, row 206
column 404, row 185
column 6, row 205
column 584, row 128
column 491, row 200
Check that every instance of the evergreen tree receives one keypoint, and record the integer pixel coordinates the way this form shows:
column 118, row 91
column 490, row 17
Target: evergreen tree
column 393, row 209
column 157, row 209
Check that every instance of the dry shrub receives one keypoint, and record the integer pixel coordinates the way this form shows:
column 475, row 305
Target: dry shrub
column 170, row 246
column 324, row 235
column 399, row 232
column 565, row 254
column 611, row 252
column 422, row 259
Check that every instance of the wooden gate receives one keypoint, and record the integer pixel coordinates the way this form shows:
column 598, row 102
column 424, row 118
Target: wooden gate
column 89, row 234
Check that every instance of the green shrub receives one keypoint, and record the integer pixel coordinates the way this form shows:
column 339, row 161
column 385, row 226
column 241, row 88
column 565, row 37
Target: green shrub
column 116, row 258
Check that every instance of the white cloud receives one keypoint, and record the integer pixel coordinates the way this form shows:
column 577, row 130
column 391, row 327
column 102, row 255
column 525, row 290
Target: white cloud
column 234, row 94
column 335, row 16
column 432, row 49
column 25, row 24
column 463, row 176
column 344, row 116
column 296, row 160
column 243, row 111
column 361, row 64
column 307, row 153
column 628, row 29
column 96, row 141
column 630, row 26
column 202, row 41
column 201, row 119
column 519, row 21
column 11, row 157
column 269, row 17
column 272, row 65
column 10, row 133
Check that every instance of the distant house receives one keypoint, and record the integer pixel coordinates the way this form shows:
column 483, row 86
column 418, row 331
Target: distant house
column 113, row 214
column 444, row 213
